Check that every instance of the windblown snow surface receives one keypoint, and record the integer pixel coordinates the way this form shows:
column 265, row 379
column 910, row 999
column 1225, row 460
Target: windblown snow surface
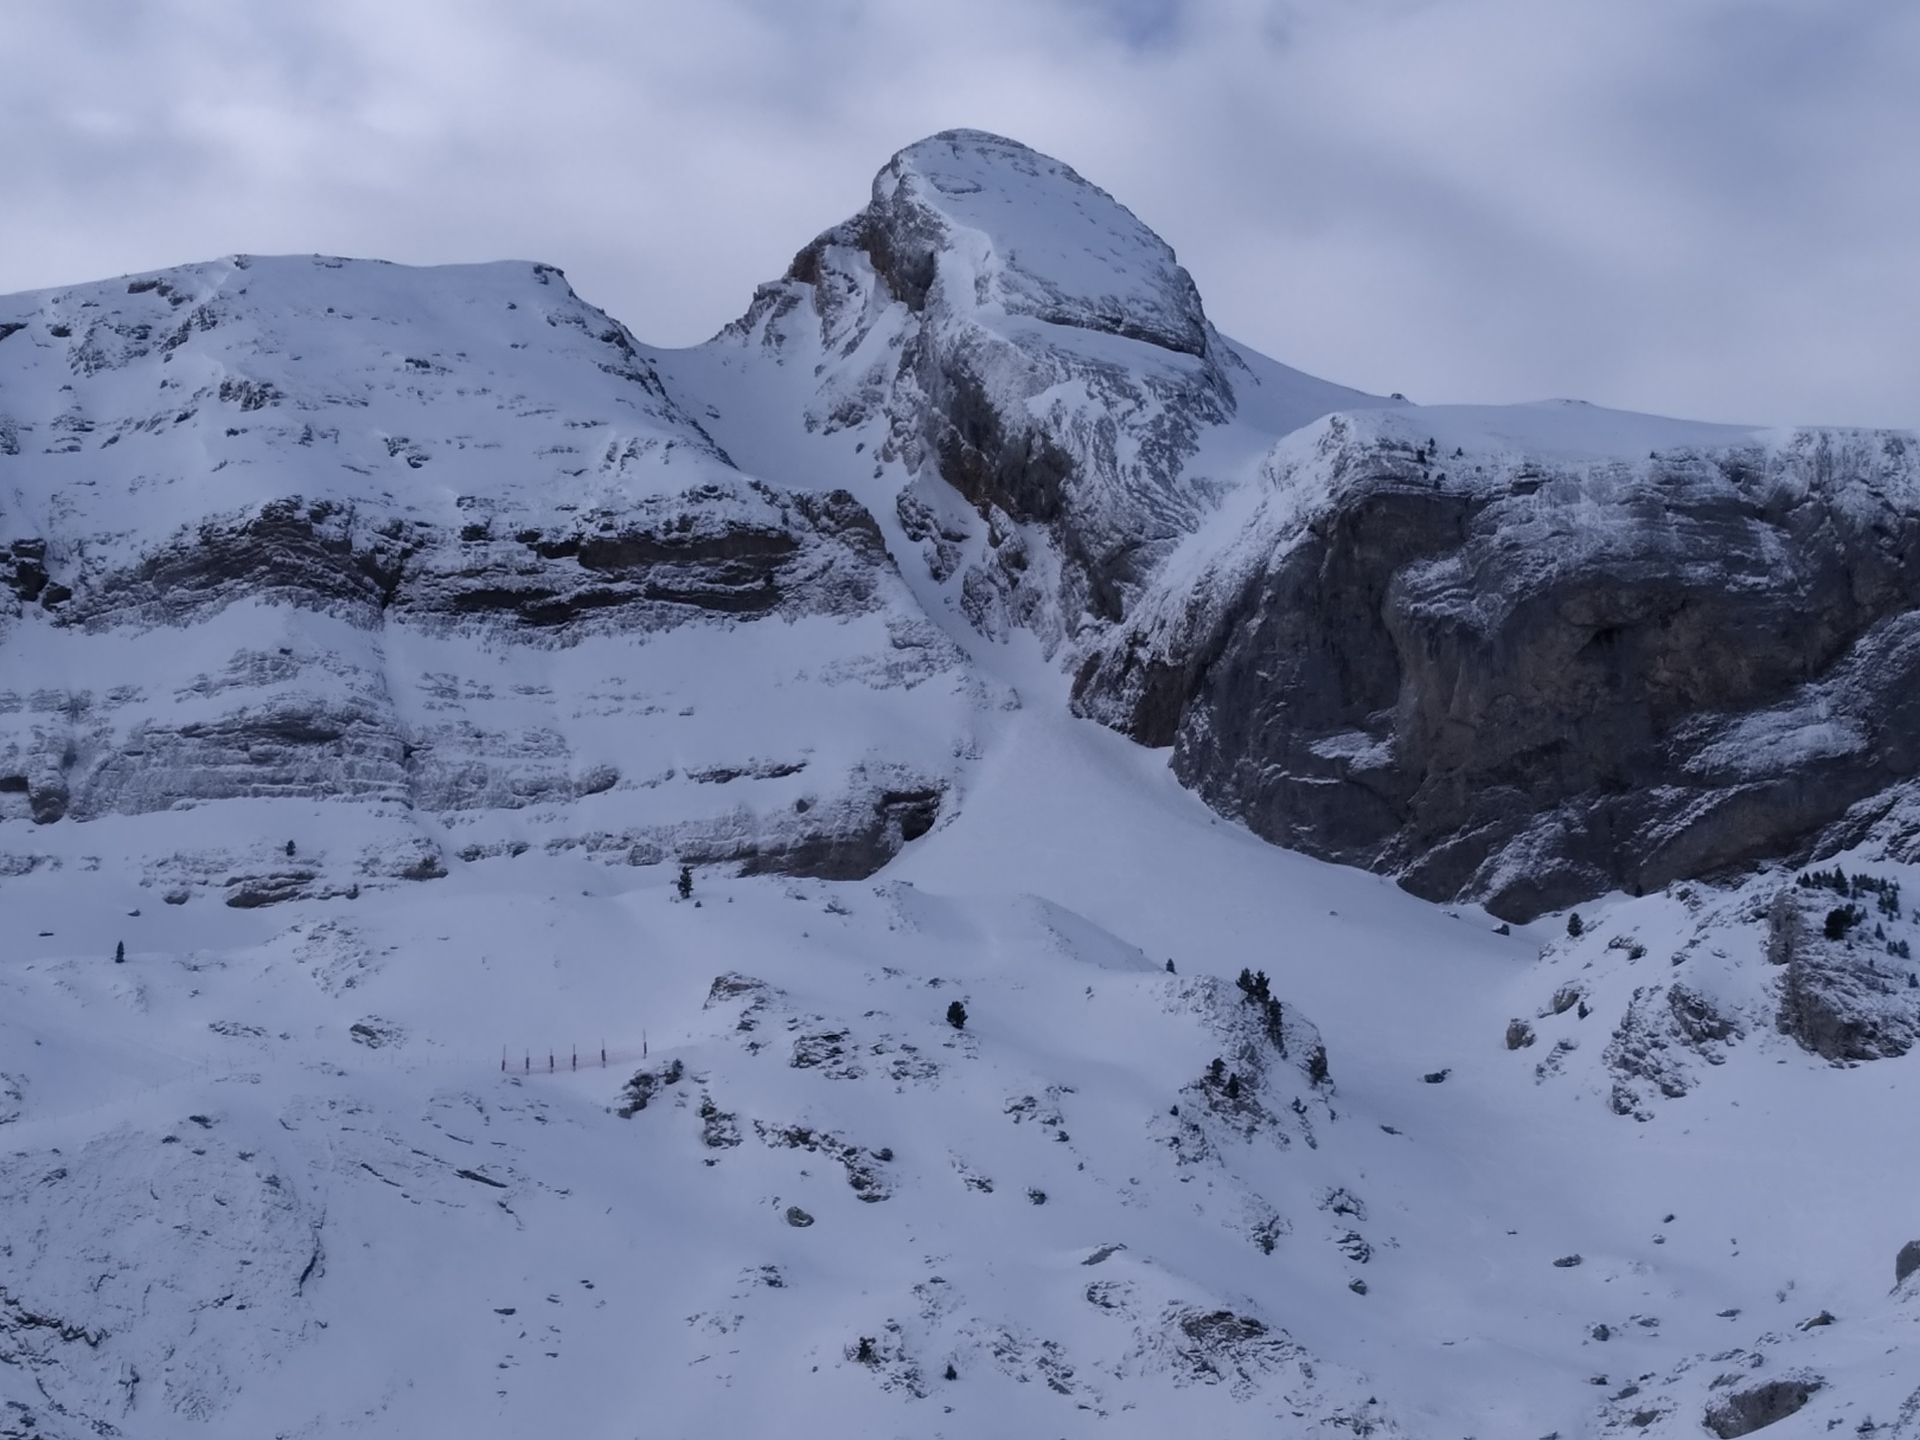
column 268, row 1177
column 539, row 1146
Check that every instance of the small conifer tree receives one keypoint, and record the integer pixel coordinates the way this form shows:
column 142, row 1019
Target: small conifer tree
column 957, row 1015
column 1317, row 1070
column 120, row 953
column 1275, row 1018
column 1576, row 927
column 685, row 883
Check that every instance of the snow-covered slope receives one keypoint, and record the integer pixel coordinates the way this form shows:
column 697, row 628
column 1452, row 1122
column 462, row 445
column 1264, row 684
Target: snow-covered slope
column 268, row 1176
column 377, row 644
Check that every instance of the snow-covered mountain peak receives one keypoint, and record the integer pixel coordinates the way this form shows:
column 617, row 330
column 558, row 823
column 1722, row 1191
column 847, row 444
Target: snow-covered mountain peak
column 1009, row 333
column 257, row 377
column 994, row 225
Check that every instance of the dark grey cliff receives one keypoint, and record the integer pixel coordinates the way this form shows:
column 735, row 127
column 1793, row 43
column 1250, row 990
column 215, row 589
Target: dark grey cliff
column 1532, row 682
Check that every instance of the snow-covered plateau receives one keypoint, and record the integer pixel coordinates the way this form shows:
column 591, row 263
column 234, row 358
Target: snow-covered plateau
column 553, row 886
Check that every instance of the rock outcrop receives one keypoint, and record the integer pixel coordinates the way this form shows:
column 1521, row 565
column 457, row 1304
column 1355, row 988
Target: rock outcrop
column 1846, row 993
column 1907, row 1262
column 1758, row 1406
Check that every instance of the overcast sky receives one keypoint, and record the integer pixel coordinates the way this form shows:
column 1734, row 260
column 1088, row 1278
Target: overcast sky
column 1703, row 207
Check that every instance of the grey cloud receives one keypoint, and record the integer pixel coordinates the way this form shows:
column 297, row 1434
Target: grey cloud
column 1701, row 207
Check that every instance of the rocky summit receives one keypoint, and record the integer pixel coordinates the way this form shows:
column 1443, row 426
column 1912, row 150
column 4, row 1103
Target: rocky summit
column 551, row 881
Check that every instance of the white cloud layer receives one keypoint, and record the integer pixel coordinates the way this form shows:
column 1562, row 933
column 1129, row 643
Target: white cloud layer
column 1705, row 207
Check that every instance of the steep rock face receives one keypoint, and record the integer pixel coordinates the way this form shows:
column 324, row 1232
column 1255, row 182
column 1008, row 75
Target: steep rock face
column 1530, row 678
